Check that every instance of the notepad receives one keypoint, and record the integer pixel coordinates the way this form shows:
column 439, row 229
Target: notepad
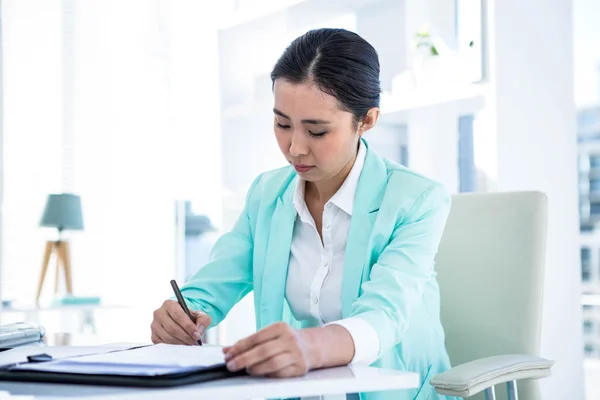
column 160, row 359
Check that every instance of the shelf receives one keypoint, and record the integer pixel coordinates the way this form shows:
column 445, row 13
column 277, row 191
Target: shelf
column 463, row 101
column 393, row 111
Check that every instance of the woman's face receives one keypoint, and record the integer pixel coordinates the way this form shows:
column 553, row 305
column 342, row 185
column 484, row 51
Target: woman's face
column 314, row 135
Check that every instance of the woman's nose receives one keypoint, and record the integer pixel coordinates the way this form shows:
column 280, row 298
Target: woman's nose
column 298, row 145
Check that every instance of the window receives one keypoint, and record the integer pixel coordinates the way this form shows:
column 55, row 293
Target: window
column 585, row 264
column 589, row 349
column 584, row 227
column 594, row 185
column 588, row 326
column 466, row 156
column 584, row 184
column 588, row 118
column 404, row 155
column 595, row 209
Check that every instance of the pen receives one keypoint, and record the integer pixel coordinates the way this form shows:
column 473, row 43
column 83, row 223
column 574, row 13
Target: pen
column 181, row 302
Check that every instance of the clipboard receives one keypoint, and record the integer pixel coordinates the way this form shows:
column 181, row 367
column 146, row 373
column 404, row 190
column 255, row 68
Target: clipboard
column 123, row 368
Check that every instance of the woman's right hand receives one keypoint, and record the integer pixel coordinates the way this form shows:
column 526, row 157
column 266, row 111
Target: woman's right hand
column 172, row 325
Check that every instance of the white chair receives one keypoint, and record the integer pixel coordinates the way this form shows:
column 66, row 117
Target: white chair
column 490, row 268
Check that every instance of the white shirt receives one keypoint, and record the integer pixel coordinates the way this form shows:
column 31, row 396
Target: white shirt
column 314, row 279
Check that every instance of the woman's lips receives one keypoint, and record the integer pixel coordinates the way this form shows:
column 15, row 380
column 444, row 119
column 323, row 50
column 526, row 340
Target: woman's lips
column 302, row 167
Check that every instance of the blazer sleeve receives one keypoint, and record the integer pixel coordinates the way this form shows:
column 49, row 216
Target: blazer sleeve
column 227, row 277
column 398, row 278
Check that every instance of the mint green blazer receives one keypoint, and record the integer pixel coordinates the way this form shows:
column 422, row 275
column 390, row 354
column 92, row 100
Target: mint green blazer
column 389, row 278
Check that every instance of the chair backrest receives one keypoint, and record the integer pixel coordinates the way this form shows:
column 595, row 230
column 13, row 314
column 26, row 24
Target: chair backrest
column 490, row 268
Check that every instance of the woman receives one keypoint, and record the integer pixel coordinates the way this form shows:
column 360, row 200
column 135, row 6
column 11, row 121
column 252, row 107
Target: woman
column 338, row 247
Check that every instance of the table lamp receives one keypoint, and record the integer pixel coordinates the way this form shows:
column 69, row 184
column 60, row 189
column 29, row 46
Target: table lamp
column 63, row 212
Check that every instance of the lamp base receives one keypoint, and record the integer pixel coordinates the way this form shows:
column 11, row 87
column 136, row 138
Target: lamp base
column 61, row 248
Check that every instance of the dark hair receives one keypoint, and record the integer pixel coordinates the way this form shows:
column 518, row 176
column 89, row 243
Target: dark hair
column 341, row 64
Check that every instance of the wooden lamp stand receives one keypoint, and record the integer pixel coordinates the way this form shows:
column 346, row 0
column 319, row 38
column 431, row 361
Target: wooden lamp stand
column 61, row 249
column 63, row 212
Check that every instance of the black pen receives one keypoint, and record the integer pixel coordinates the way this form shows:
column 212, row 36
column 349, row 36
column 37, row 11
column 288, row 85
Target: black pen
column 181, row 302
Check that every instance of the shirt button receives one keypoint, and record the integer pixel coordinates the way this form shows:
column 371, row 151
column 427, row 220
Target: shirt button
column 327, row 226
column 328, row 205
column 326, row 264
column 315, row 300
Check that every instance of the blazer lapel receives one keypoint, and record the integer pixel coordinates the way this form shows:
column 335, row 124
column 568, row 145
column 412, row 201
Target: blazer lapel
column 274, row 277
column 369, row 194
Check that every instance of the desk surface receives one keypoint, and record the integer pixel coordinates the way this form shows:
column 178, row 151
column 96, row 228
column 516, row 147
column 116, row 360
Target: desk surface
column 29, row 309
column 321, row 382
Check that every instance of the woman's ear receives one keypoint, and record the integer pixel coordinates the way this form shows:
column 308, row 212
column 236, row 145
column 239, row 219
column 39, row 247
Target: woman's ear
column 369, row 120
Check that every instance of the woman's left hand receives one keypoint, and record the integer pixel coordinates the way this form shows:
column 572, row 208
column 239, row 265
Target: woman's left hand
column 275, row 351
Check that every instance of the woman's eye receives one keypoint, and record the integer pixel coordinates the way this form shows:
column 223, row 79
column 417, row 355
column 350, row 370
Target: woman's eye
column 282, row 126
column 317, row 134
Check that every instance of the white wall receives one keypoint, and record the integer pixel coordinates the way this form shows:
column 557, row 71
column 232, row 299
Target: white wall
column 31, row 63
column 389, row 41
column 531, row 73
column 1, row 151
column 586, row 46
column 137, row 83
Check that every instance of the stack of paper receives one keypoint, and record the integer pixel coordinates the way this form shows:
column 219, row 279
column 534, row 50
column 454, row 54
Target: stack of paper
column 13, row 335
column 150, row 360
column 7, row 396
column 19, row 354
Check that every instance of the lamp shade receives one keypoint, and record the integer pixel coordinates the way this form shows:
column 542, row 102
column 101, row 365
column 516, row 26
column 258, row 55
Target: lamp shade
column 63, row 211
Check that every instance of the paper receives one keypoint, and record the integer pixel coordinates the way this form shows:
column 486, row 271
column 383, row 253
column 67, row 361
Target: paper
column 12, row 335
column 152, row 360
column 70, row 367
column 19, row 354
column 4, row 395
column 161, row 354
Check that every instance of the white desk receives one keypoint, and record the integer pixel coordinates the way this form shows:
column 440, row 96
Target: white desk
column 322, row 382
column 84, row 313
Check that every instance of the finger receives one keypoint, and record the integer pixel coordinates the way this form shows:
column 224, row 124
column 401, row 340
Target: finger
column 176, row 332
column 155, row 339
column 272, row 365
column 178, row 316
column 163, row 336
column 156, row 329
column 266, row 334
column 202, row 321
column 166, row 337
column 158, row 325
column 257, row 355
column 159, row 329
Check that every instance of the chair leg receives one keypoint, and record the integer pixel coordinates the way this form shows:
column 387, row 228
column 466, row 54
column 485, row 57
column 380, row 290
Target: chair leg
column 511, row 390
column 490, row 394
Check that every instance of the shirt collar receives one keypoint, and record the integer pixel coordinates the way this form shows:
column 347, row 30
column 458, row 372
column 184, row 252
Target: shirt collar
column 344, row 197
